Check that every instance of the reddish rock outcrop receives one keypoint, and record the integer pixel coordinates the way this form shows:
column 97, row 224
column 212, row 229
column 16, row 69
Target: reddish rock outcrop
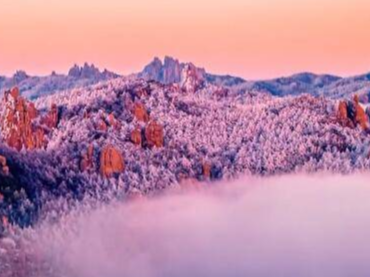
column 207, row 170
column 140, row 112
column 351, row 114
column 111, row 161
column 51, row 120
column 87, row 161
column 19, row 125
column 135, row 137
column 342, row 110
column 4, row 169
column 113, row 121
column 16, row 121
column 102, row 126
column 39, row 138
column 33, row 112
column 154, row 134
column 361, row 116
column 343, row 115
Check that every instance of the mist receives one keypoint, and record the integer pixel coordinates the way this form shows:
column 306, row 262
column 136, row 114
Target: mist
column 280, row 226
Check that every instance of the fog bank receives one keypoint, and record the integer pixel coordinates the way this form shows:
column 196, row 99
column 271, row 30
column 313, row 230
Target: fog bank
column 283, row 226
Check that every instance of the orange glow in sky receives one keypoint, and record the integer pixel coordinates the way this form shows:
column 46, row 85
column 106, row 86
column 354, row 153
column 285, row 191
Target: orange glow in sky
column 249, row 38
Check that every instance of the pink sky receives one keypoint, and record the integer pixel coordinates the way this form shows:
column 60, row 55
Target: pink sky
column 249, row 38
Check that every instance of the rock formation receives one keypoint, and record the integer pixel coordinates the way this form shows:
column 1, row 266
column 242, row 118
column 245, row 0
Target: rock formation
column 52, row 118
column 191, row 78
column 111, row 161
column 113, row 121
column 171, row 71
column 207, row 170
column 361, row 116
column 351, row 114
column 154, row 134
column 4, row 169
column 102, row 126
column 87, row 160
column 135, row 137
column 16, row 122
column 140, row 112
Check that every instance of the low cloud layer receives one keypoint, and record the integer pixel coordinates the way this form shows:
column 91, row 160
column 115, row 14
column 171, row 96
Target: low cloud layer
column 284, row 226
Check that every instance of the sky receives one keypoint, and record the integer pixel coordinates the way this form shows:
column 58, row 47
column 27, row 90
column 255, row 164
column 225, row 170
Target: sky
column 249, row 38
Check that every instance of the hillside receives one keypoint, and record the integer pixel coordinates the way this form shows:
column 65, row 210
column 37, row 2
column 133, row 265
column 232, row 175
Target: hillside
column 129, row 137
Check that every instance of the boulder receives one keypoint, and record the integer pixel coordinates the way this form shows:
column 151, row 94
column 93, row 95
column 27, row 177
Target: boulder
column 207, row 167
column 102, row 126
column 135, row 136
column 154, row 134
column 111, row 161
column 113, row 121
column 140, row 112
column 87, row 160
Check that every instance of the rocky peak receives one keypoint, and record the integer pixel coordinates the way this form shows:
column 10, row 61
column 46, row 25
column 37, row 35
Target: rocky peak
column 86, row 71
column 152, row 70
column 192, row 78
column 171, row 71
column 90, row 72
column 20, row 76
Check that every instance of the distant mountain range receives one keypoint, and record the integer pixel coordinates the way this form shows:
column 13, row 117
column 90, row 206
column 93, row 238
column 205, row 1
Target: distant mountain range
column 171, row 70
column 317, row 85
column 33, row 87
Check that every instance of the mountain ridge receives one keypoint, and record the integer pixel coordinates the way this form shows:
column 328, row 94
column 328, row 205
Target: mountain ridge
column 171, row 70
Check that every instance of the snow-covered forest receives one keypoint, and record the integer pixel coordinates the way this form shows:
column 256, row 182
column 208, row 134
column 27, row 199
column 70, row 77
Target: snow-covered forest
column 128, row 136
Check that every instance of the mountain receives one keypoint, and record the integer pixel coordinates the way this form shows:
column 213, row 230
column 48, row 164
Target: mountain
column 172, row 125
column 190, row 77
column 317, row 85
column 170, row 71
column 34, row 86
column 295, row 84
column 128, row 137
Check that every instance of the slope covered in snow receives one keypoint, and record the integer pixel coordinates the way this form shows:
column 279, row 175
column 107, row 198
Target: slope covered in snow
column 128, row 136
